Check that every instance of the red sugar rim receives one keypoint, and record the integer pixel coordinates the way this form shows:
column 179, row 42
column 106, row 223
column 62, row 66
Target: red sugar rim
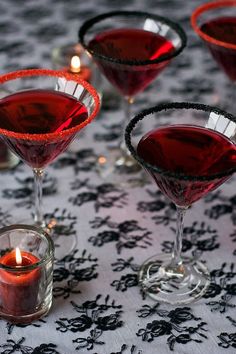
column 209, row 6
column 53, row 73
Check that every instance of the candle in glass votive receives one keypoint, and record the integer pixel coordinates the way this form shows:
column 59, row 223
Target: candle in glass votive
column 84, row 72
column 19, row 287
column 74, row 59
column 7, row 158
column 26, row 273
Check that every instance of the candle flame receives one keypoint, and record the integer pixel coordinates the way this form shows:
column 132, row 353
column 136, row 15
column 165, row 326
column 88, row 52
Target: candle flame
column 75, row 64
column 102, row 160
column 18, row 256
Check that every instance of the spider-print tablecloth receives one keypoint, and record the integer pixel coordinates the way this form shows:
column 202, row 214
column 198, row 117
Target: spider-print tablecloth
column 97, row 305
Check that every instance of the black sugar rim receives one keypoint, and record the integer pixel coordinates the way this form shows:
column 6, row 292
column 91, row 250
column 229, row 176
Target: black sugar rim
column 175, row 105
column 174, row 26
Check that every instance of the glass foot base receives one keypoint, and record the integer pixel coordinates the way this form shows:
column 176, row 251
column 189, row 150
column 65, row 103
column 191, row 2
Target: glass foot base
column 121, row 169
column 180, row 285
column 64, row 244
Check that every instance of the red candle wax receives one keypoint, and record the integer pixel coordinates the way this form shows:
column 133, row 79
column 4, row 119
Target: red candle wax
column 19, row 289
column 83, row 73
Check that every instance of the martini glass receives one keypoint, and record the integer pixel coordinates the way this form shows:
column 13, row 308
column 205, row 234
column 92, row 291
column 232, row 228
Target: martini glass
column 186, row 161
column 131, row 48
column 41, row 113
column 215, row 23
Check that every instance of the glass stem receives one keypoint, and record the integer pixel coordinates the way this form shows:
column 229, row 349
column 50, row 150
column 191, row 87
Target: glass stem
column 38, row 183
column 176, row 260
column 127, row 103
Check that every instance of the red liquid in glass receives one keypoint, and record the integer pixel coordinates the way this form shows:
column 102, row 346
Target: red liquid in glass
column 134, row 45
column 190, row 150
column 40, row 112
column 223, row 29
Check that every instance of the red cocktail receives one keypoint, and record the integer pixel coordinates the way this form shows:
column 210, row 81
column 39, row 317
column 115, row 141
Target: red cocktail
column 131, row 49
column 41, row 114
column 116, row 43
column 186, row 161
column 215, row 23
column 179, row 150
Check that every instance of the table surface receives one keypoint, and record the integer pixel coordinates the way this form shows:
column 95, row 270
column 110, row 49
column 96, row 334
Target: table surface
column 97, row 305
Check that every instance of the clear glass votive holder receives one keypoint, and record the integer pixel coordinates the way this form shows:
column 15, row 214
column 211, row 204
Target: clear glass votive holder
column 74, row 59
column 7, row 158
column 65, row 58
column 26, row 273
